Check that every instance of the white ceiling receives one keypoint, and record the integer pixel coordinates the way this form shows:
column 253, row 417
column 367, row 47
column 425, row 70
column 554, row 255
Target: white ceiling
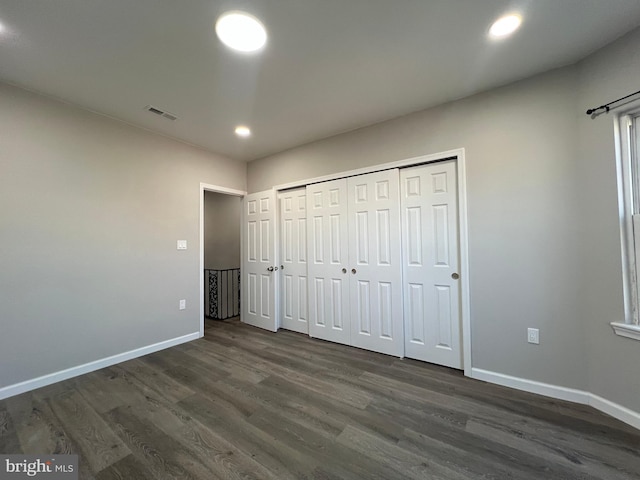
column 329, row 66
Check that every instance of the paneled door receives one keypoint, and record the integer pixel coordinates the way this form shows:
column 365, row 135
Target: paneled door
column 328, row 250
column 430, row 262
column 376, row 262
column 258, row 266
column 293, row 260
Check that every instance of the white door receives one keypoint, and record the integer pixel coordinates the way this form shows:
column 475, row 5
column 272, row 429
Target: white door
column 327, row 249
column 376, row 262
column 258, row 275
column 293, row 260
column 430, row 263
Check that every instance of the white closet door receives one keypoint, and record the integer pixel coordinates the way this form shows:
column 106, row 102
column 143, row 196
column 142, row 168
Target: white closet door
column 430, row 261
column 327, row 249
column 376, row 262
column 258, row 276
column 293, row 260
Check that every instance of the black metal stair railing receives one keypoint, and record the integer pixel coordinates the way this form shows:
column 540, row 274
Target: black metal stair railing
column 222, row 293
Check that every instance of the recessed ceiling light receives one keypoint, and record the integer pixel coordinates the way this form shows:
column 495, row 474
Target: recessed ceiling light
column 243, row 131
column 241, row 31
column 505, row 26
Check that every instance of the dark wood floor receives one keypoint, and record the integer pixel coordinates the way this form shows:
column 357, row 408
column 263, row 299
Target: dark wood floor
column 244, row 403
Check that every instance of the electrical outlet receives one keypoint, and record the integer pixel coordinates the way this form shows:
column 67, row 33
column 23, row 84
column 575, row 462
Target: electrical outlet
column 182, row 244
column 533, row 336
column 183, row 304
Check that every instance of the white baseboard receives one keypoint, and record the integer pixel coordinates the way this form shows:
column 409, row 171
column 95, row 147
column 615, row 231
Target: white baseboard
column 623, row 414
column 554, row 391
column 28, row 385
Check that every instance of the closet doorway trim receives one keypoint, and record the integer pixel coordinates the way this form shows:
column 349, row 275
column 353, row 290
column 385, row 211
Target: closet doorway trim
column 455, row 154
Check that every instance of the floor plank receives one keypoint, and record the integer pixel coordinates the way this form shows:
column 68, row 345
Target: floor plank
column 405, row 462
column 99, row 444
column 9, row 441
column 262, row 446
column 160, row 453
column 244, row 403
column 125, row 469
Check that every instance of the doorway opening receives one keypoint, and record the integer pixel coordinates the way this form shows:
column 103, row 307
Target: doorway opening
column 220, row 247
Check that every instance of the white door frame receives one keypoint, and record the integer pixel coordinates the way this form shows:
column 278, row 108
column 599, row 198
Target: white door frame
column 206, row 187
column 459, row 155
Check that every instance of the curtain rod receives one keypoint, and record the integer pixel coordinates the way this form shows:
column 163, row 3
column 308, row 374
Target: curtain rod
column 607, row 106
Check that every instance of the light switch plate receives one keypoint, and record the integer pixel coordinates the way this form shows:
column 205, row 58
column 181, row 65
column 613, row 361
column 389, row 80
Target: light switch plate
column 182, row 244
column 183, row 304
column 533, row 336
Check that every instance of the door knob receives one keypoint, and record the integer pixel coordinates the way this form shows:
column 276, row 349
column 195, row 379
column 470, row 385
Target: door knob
column 276, row 269
column 270, row 269
column 344, row 270
column 353, row 270
column 281, row 267
column 455, row 276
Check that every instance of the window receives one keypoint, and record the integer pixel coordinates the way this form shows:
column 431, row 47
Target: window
column 628, row 169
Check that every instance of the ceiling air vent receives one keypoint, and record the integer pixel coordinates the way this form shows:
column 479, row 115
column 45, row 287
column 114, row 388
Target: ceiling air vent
column 162, row 113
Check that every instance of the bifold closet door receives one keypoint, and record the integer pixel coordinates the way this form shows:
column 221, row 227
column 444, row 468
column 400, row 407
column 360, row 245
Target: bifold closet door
column 355, row 264
column 430, row 262
column 376, row 262
column 328, row 262
column 258, row 267
column 293, row 260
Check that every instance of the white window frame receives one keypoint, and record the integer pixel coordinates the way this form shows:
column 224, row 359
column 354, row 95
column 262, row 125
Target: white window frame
column 627, row 131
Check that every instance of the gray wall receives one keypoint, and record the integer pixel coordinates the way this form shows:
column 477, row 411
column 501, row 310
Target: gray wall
column 544, row 240
column 520, row 143
column 613, row 361
column 90, row 212
column 222, row 218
